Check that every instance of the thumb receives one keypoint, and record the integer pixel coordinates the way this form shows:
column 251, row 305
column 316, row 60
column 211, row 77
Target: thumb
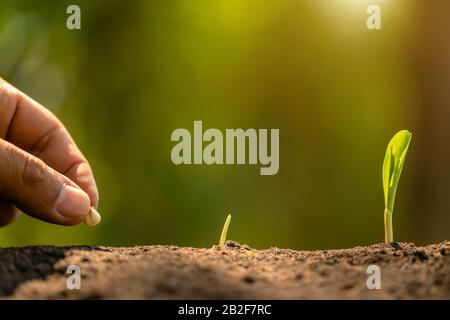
column 38, row 190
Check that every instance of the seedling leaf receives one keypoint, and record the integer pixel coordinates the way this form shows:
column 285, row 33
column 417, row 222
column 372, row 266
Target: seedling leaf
column 223, row 236
column 392, row 169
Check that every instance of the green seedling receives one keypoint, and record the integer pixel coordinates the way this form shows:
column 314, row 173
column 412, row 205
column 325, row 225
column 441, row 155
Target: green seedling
column 392, row 169
column 223, row 236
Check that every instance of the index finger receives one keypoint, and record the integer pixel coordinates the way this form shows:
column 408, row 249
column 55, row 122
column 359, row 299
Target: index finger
column 33, row 128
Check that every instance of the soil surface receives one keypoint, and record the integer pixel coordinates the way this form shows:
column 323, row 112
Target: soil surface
column 232, row 272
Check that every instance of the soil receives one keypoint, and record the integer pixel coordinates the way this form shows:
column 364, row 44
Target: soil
column 232, row 272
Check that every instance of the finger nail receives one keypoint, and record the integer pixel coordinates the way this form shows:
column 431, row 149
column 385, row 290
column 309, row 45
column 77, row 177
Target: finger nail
column 72, row 202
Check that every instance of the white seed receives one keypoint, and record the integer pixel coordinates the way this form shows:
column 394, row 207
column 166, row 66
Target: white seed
column 93, row 218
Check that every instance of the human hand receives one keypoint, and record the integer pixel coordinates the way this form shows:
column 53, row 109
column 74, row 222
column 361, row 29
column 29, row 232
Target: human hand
column 42, row 171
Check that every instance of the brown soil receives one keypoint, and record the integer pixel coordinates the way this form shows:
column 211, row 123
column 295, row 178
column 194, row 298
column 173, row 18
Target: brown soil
column 234, row 272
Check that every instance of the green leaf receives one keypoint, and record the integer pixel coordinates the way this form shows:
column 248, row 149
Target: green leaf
column 393, row 165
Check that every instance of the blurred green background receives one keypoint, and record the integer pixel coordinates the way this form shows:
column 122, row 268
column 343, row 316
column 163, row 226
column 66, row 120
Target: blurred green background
column 137, row 70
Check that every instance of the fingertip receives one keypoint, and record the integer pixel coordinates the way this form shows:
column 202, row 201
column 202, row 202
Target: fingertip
column 73, row 203
column 81, row 173
column 92, row 192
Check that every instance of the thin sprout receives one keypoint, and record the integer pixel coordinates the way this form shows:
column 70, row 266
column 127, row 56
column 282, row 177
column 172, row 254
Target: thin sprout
column 223, row 236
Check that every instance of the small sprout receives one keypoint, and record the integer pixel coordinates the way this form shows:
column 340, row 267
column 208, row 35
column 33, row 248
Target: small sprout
column 223, row 236
column 93, row 218
column 392, row 169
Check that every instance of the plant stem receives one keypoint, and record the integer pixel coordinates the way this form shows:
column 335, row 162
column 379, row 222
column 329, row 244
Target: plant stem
column 388, row 232
column 223, row 236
